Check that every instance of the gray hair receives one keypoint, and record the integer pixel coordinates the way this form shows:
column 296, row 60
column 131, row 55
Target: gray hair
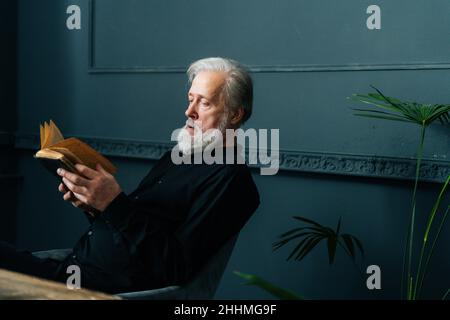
column 238, row 89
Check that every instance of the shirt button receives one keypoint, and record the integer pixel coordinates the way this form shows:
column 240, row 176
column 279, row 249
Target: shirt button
column 137, row 197
column 159, row 181
column 74, row 256
column 90, row 233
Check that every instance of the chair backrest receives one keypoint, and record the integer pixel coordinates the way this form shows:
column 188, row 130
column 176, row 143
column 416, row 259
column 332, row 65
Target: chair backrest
column 203, row 285
column 55, row 254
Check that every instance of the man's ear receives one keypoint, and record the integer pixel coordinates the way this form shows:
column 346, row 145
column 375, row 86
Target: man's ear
column 237, row 116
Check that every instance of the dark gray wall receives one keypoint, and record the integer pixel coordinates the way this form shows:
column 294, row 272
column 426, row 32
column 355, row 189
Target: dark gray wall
column 119, row 81
column 8, row 88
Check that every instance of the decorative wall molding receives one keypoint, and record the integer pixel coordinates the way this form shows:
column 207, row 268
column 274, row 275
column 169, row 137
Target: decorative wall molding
column 93, row 68
column 283, row 68
column 432, row 170
column 364, row 165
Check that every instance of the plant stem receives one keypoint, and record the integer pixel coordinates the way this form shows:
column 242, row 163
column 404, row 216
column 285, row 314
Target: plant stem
column 405, row 252
column 444, row 218
column 427, row 231
column 410, row 284
column 418, row 268
column 413, row 214
column 438, row 202
column 446, row 294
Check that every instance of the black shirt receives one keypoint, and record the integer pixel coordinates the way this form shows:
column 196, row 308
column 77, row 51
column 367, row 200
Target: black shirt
column 166, row 229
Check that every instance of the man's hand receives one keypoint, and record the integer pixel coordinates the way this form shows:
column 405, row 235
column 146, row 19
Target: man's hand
column 69, row 196
column 97, row 190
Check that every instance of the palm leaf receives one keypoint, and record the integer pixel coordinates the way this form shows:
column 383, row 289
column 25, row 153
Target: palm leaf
column 382, row 97
column 318, row 227
column 440, row 112
column 338, row 228
column 308, row 247
column 308, row 221
column 393, row 101
column 368, row 100
column 309, row 239
column 332, row 244
column 445, row 118
column 357, row 242
column 401, row 111
column 368, row 115
column 300, row 247
column 281, row 243
column 291, row 232
column 349, row 244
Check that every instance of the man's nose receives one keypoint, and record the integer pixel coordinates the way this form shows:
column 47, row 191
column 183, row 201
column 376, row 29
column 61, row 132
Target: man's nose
column 191, row 111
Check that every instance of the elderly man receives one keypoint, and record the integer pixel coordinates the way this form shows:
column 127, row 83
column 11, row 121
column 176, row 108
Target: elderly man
column 180, row 214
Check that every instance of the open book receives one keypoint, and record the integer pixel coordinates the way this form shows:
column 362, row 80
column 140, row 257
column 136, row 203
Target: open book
column 57, row 152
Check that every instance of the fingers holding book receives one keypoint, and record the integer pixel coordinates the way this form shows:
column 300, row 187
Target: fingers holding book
column 70, row 197
column 94, row 188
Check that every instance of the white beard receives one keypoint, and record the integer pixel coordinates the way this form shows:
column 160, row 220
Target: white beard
column 189, row 144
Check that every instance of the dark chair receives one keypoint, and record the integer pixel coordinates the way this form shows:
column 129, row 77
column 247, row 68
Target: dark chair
column 202, row 286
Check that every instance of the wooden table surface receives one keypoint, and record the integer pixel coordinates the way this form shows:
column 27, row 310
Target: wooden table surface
column 19, row 286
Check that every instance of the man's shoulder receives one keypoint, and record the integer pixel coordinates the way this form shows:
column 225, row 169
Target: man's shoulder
column 220, row 167
column 237, row 170
column 238, row 176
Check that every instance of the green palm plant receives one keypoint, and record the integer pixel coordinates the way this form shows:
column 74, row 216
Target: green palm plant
column 423, row 115
column 312, row 234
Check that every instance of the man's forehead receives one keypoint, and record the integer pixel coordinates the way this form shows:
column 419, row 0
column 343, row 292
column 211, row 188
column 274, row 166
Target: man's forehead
column 208, row 83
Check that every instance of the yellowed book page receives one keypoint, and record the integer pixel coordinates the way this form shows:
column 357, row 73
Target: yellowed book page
column 49, row 154
column 89, row 156
column 65, row 157
column 67, row 153
column 41, row 132
column 56, row 134
column 46, row 134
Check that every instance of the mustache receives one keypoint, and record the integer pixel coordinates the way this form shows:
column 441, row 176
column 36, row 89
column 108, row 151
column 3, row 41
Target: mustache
column 191, row 123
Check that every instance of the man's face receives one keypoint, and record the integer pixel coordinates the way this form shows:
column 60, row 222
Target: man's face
column 206, row 107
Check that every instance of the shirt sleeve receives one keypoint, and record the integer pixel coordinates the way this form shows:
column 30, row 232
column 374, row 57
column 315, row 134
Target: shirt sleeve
column 119, row 211
column 88, row 216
